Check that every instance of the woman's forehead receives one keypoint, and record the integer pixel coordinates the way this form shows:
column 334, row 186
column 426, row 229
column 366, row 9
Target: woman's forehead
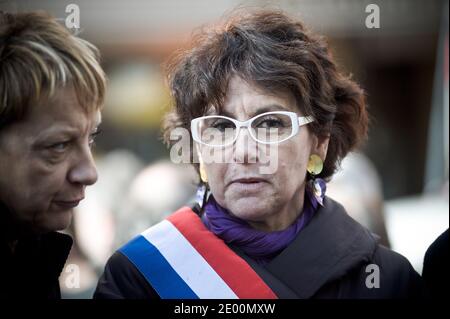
column 60, row 114
column 243, row 99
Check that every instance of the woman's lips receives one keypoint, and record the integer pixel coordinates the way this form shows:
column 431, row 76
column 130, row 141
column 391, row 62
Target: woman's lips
column 67, row 204
column 248, row 185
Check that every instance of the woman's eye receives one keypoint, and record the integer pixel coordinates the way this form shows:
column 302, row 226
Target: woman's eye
column 271, row 123
column 59, row 147
column 221, row 126
column 92, row 138
column 92, row 142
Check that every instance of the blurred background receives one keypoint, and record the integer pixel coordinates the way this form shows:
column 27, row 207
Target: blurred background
column 397, row 185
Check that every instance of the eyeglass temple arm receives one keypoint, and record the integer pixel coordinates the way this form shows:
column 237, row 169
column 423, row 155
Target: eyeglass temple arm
column 302, row 120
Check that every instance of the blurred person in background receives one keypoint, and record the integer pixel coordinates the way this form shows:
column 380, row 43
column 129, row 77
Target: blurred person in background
column 357, row 186
column 259, row 80
column 147, row 202
column 95, row 235
column 52, row 89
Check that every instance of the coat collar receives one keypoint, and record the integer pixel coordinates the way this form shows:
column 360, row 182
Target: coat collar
column 50, row 250
column 331, row 245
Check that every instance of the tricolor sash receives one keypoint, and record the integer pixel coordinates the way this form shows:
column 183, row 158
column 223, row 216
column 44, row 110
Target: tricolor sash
column 182, row 259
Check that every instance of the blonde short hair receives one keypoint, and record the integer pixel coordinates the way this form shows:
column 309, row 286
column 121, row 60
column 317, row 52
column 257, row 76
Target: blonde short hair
column 37, row 57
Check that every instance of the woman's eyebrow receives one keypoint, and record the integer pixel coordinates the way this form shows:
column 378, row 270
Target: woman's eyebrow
column 53, row 135
column 271, row 108
column 263, row 109
column 57, row 131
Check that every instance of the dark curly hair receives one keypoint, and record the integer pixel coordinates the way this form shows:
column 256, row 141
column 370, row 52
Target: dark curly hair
column 273, row 52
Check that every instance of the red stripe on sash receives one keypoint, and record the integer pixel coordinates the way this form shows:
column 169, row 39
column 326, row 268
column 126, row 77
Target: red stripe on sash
column 234, row 270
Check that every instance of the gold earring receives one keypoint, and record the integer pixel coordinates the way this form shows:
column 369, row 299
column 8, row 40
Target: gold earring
column 317, row 186
column 315, row 165
column 203, row 175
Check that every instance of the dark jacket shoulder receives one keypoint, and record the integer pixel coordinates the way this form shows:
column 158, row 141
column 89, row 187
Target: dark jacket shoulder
column 122, row 280
column 336, row 257
column 436, row 265
column 387, row 275
column 33, row 268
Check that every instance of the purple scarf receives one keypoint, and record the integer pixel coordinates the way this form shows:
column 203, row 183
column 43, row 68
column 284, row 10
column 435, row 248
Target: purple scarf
column 259, row 245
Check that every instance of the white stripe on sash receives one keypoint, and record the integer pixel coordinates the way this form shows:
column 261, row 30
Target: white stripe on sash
column 187, row 262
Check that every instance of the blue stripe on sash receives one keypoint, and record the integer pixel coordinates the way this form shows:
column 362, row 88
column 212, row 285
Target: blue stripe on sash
column 159, row 273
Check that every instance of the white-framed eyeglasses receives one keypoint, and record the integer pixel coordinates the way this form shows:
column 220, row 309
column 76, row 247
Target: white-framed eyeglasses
column 266, row 128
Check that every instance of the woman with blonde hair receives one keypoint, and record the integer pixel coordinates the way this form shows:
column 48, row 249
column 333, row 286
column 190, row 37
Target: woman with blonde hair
column 51, row 92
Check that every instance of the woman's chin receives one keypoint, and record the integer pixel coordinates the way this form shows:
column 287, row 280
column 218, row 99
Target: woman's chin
column 249, row 209
column 55, row 221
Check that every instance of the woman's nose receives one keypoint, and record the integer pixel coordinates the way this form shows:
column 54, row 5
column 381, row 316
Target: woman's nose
column 84, row 171
column 245, row 148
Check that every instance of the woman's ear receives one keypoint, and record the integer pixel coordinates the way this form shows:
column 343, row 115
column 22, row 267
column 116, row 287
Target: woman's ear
column 320, row 146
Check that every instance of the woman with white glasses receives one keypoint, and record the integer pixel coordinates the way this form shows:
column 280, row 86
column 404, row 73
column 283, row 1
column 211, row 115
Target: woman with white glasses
column 270, row 117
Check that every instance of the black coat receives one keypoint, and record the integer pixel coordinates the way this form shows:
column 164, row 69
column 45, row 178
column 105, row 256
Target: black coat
column 328, row 259
column 435, row 267
column 32, row 269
